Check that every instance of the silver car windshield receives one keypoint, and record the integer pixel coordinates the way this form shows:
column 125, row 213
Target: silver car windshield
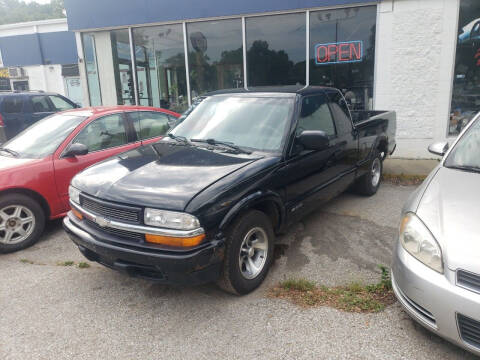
column 42, row 138
column 256, row 122
column 466, row 153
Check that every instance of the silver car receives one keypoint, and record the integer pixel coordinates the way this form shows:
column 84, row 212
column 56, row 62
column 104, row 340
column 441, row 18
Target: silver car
column 436, row 266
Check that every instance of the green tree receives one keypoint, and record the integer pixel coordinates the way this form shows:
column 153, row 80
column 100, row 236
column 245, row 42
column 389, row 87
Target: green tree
column 14, row 11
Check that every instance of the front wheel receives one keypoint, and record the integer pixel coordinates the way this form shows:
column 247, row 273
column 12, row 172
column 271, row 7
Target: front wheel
column 21, row 222
column 369, row 183
column 248, row 254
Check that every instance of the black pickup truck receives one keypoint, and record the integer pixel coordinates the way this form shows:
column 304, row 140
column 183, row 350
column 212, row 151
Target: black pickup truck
column 204, row 204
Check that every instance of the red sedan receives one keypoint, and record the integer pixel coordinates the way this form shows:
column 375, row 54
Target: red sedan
column 37, row 165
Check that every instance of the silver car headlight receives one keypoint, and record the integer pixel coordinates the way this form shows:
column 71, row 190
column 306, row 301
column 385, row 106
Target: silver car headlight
column 419, row 242
column 74, row 194
column 170, row 219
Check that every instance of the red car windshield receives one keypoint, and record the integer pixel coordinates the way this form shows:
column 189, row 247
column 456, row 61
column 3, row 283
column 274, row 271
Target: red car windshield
column 42, row 138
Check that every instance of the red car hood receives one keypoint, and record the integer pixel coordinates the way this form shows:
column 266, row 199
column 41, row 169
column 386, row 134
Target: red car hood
column 8, row 162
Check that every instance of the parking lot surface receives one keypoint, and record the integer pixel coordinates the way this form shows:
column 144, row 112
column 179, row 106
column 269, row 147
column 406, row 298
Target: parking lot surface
column 52, row 311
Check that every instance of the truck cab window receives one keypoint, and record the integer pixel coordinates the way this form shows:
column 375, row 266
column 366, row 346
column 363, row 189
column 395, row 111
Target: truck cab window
column 340, row 111
column 315, row 115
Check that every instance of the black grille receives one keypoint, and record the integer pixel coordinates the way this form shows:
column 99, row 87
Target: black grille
column 130, row 235
column 420, row 310
column 468, row 280
column 110, row 211
column 469, row 330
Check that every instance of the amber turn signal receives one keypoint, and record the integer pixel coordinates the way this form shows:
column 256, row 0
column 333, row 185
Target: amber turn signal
column 77, row 213
column 175, row 241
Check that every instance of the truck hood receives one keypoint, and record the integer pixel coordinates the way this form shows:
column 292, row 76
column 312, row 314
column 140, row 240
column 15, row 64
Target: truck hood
column 450, row 209
column 167, row 176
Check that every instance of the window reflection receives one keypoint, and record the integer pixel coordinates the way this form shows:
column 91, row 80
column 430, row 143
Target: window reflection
column 276, row 49
column 466, row 83
column 342, row 52
column 122, row 67
column 160, row 58
column 215, row 55
column 90, row 58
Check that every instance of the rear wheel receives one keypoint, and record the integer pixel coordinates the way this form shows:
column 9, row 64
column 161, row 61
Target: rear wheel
column 369, row 183
column 22, row 221
column 248, row 254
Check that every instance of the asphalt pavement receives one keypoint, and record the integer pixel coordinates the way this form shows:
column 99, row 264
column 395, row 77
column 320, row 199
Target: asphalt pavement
column 52, row 311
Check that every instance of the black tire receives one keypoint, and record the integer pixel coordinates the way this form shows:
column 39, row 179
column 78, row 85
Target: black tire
column 36, row 229
column 366, row 185
column 232, row 279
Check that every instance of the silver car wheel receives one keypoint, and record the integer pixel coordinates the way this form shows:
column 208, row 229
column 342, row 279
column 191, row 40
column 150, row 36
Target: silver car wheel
column 376, row 172
column 253, row 253
column 17, row 223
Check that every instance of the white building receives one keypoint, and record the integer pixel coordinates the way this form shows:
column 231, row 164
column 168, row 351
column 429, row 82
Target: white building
column 40, row 55
column 420, row 58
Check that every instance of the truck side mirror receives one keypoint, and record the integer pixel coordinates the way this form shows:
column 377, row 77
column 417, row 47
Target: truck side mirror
column 439, row 148
column 313, row 140
column 76, row 150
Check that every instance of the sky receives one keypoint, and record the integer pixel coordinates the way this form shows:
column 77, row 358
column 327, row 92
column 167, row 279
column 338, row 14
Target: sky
column 37, row 1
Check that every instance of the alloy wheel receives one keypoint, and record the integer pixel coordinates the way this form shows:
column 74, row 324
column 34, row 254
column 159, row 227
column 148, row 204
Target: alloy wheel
column 376, row 172
column 17, row 223
column 253, row 253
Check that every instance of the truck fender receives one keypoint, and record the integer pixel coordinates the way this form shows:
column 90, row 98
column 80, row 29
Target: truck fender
column 250, row 201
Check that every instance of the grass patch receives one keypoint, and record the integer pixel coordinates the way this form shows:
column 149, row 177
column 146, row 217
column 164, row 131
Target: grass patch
column 297, row 284
column 355, row 297
column 26, row 261
column 83, row 265
column 66, row 263
column 403, row 179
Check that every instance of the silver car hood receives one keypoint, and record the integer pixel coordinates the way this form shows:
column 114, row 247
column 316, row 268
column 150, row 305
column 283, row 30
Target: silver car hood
column 450, row 208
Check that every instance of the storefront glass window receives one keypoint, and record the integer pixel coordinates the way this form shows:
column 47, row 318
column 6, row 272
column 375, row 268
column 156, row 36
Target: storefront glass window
column 215, row 55
column 466, row 82
column 276, row 49
column 90, row 58
column 160, row 58
column 122, row 67
column 342, row 52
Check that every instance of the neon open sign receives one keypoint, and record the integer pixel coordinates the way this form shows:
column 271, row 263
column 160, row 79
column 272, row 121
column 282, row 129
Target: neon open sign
column 339, row 53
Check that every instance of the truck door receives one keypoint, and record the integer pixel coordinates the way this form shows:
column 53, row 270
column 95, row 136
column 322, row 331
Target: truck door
column 310, row 175
column 347, row 153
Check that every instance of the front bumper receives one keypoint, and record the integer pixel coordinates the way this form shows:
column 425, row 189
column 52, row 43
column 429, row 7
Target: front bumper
column 433, row 299
column 194, row 266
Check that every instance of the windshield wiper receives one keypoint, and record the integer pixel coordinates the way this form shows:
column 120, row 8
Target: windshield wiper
column 214, row 142
column 11, row 152
column 178, row 138
column 464, row 167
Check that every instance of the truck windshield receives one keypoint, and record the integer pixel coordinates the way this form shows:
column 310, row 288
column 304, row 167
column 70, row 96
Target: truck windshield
column 42, row 138
column 253, row 122
column 466, row 153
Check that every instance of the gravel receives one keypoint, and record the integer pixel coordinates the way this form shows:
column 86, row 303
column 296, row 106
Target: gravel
column 49, row 311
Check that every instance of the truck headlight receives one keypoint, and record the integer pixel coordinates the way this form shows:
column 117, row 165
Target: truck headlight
column 418, row 241
column 170, row 219
column 74, row 194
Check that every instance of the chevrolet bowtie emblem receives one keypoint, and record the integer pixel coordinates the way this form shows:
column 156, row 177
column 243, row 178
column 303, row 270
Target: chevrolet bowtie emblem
column 102, row 221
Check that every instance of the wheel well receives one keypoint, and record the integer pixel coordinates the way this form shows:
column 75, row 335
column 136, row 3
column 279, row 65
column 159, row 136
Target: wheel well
column 383, row 147
column 34, row 195
column 270, row 209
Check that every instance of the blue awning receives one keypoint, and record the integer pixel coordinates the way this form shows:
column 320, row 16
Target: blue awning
column 96, row 14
